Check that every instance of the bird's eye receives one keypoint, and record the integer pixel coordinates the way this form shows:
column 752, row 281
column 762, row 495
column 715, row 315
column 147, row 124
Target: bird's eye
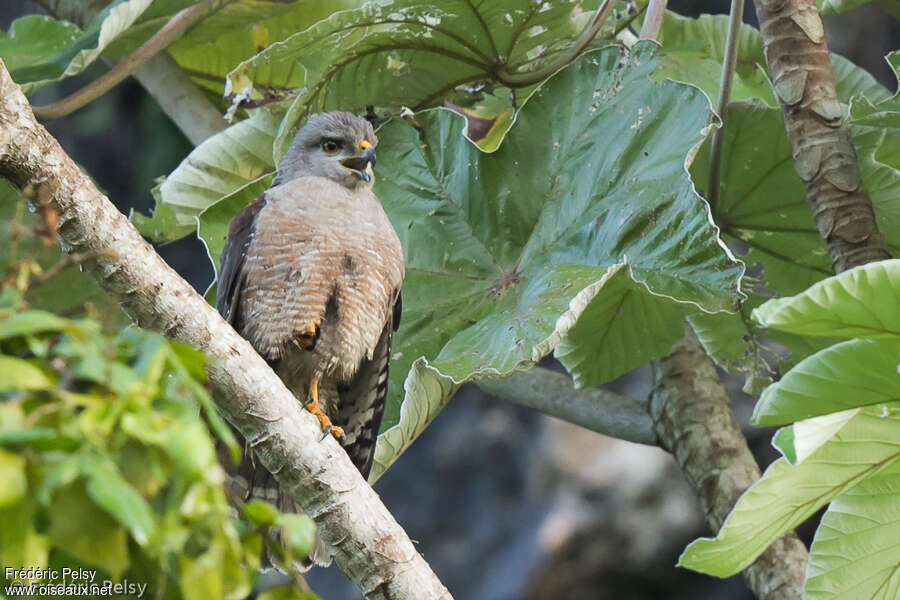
column 330, row 146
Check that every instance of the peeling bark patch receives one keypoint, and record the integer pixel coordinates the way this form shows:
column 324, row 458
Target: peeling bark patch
column 790, row 86
column 810, row 22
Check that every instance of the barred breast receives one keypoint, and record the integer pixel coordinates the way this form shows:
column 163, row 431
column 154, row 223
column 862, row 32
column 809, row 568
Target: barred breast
column 330, row 256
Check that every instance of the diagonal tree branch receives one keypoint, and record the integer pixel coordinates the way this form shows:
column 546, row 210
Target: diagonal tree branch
column 693, row 420
column 368, row 543
column 824, row 157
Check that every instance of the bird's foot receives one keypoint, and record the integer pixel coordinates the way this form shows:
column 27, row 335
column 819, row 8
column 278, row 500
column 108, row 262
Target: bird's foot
column 324, row 422
column 307, row 337
column 312, row 405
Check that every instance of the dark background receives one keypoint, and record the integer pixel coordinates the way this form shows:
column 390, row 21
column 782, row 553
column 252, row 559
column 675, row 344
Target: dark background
column 504, row 503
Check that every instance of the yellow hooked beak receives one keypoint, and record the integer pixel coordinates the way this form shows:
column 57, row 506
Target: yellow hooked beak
column 365, row 154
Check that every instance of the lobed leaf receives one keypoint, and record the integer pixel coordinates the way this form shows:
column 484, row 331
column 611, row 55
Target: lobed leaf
column 236, row 159
column 575, row 223
column 406, row 52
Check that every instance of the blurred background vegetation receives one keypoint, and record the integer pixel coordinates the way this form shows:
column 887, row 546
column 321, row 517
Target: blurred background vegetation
column 504, row 503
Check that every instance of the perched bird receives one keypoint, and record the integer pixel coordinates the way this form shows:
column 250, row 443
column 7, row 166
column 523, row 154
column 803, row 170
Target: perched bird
column 310, row 276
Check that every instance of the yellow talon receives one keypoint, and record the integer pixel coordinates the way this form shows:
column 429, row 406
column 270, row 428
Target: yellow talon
column 312, row 405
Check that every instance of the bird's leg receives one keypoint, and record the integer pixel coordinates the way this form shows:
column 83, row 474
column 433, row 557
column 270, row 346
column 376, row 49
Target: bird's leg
column 312, row 405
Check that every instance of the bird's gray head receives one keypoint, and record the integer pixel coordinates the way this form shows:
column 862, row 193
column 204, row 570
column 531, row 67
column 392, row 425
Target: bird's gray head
column 336, row 145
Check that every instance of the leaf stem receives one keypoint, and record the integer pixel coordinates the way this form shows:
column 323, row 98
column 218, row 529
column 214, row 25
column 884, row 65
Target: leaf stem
column 735, row 18
column 653, row 19
column 171, row 31
column 515, row 79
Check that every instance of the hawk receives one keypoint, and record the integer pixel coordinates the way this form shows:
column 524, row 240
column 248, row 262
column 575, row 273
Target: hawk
column 310, row 276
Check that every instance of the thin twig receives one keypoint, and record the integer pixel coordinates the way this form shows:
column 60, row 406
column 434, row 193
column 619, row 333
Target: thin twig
column 64, row 263
column 653, row 20
column 515, row 79
column 171, row 31
column 729, row 61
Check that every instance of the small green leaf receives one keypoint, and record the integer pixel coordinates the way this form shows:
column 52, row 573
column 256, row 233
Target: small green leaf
column 259, row 512
column 12, row 474
column 735, row 343
column 191, row 449
column 787, row 495
column 86, row 532
column 855, row 552
column 20, row 544
column 860, row 302
column 848, row 375
column 299, row 533
column 19, row 374
column 110, row 491
column 30, row 322
column 33, row 39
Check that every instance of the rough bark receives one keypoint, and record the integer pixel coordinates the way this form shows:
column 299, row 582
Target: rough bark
column 368, row 543
column 824, row 157
column 693, row 420
column 593, row 408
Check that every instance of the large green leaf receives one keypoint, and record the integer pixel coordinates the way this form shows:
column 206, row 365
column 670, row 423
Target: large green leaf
column 33, row 39
column 692, row 51
column 848, row 375
column 113, row 21
column 789, row 494
column 855, row 552
column 225, row 163
column 407, row 52
column 509, row 252
column 241, row 29
column 861, row 302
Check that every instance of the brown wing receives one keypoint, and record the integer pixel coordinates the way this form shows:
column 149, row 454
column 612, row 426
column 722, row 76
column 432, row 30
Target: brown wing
column 240, row 232
column 362, row 401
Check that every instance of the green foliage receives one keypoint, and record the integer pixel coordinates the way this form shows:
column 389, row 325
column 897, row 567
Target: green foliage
column 572, row 226
column 33, row 39
column 108, row 463
column 112, row 22
column 531, row 245
column 834, row 457
column 762, row 209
